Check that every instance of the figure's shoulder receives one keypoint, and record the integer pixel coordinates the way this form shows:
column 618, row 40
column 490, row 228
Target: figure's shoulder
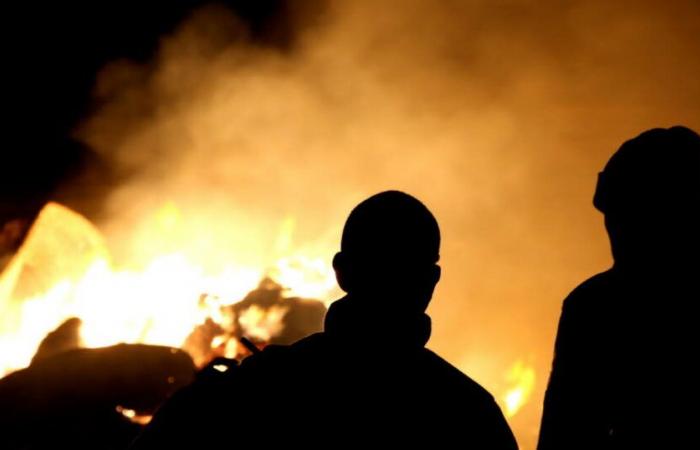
column 275, row 356
column 453, row 377
column 591, row 293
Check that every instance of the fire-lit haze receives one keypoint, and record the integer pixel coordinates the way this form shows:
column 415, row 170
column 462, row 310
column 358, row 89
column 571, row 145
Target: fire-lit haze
column 239, row 161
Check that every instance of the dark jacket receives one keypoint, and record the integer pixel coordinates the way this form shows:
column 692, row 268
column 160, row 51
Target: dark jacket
column 357, row 382
column 622, row 375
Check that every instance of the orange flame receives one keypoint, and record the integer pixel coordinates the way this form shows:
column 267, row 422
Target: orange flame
column 64, row 270
column 522, row 380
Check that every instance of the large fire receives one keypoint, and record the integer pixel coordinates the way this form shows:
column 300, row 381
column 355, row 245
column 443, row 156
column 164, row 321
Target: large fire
column 64, row 270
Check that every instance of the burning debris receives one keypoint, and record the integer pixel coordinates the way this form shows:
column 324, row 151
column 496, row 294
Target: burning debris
column 265, row 316
column 73, row 398
column 60, row 297
column 65, row 337
column 63, row 274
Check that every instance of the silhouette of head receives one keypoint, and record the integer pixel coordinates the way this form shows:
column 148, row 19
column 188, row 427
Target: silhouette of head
column 389, row 252
column 649, row 193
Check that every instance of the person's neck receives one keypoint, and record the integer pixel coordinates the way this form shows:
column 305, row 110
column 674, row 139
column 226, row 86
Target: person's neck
column 358, row 320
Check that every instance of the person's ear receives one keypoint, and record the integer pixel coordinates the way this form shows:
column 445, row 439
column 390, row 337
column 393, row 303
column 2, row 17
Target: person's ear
column 341, row 271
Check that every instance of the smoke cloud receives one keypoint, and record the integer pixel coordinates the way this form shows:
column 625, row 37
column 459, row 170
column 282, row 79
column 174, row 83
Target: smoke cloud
column 497, row 114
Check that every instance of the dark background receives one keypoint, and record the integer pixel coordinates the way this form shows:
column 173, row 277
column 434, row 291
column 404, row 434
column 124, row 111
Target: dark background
column 53, row 53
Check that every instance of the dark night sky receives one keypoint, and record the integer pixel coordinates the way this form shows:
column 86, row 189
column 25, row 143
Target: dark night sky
column 53, row 52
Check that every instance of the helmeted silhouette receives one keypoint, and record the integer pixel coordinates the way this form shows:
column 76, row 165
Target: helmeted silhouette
column 623, row 374
column 367, row 378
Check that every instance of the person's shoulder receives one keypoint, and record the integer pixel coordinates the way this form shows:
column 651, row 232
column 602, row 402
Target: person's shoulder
column 274, row 356
column 590, row 293
column 472, row 406
column 454, row 377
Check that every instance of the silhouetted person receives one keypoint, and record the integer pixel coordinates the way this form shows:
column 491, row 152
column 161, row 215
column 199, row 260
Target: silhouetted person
column 367, row 378
column 623, row 374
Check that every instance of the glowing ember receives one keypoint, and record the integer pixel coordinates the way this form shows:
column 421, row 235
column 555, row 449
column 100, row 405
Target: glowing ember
column 128, row 413
column 133, row 416
column 220, row 368
column 63, row 270
column 522, row 379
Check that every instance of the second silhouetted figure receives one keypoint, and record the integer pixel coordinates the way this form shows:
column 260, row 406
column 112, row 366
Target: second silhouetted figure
column 624, row 373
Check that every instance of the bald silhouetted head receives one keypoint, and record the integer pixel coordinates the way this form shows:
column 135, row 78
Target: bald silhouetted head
column 649, row 192
column 390, row 249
